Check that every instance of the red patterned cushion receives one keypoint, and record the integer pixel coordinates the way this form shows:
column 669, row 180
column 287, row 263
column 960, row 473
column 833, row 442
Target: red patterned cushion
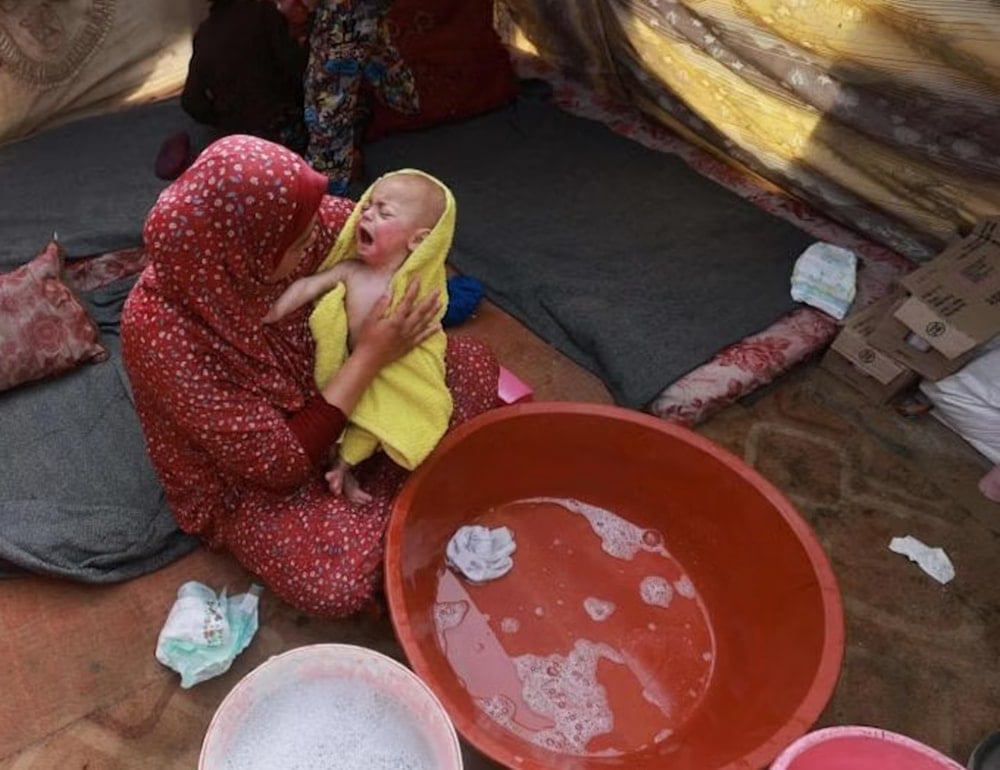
column 44, row 330
column 460, row 66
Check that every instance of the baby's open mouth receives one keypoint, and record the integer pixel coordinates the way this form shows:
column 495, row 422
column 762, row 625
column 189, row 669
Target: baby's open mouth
column 364, row 237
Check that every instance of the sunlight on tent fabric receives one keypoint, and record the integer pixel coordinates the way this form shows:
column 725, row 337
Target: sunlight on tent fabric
column 168, row 69
column 800, row 118
column 715, row 88
column 519, row 42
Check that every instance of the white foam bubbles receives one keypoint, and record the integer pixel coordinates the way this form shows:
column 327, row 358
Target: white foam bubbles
column 565, row 690
column 329, row 724
column 449, row 615
column 684, row 587
column 656, row 590
column 499, row 708
column 619, row 537
column 598, row 609
column 510, row 625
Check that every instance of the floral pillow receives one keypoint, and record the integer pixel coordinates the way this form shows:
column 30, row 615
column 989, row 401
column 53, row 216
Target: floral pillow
column 44, row 329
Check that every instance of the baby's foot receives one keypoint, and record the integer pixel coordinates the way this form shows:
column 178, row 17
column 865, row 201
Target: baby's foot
column 335, row 479
column 353, row 490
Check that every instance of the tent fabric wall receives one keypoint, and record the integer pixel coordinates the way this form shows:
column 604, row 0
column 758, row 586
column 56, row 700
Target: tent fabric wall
column 883, row 114
column 60, row 61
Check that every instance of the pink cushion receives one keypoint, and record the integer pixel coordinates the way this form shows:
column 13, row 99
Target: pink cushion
column 44, row 329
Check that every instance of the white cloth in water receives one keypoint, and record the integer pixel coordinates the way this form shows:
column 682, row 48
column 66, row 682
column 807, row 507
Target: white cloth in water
column 481, row 553
column 824, row 277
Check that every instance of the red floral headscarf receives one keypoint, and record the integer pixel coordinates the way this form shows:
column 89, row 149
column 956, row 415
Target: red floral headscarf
column 213, row 238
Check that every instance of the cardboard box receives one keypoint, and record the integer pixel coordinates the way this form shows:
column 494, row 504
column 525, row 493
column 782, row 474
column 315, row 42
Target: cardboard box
column 853, row 358
column 853, row 341
column 906, row 347
column 955, row 302
column 988, row 229
column 873, row 390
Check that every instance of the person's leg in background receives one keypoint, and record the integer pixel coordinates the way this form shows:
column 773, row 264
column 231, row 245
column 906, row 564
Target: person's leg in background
column 332, row 92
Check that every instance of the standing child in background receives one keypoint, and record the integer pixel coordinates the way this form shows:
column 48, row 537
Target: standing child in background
column 245, row 75
column 401, row 230
column 349, row 43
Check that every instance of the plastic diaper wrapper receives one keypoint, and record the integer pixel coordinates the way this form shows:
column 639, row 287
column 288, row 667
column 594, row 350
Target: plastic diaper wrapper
column 824, row 277
column 205, row 632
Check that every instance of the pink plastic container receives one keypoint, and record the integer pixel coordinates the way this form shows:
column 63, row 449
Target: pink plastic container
column 860, row 748
column 512, row 389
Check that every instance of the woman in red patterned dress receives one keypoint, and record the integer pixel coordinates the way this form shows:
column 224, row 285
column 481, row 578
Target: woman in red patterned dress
column 233, row 421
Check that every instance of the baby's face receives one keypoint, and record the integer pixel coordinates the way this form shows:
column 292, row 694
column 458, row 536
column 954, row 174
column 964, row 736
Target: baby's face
column 390, row 219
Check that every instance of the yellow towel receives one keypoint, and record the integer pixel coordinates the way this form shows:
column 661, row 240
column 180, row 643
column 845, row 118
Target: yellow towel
column 407, row 407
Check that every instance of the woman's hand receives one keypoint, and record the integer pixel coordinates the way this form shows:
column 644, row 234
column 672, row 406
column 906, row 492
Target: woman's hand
column 386, row 336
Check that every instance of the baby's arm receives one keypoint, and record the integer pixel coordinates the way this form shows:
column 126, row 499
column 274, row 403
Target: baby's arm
column 306, row 290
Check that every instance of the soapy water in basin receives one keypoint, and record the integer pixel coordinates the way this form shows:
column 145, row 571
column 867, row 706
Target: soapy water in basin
column 598, row 609
column 328, row 724
column 597, row 643
column 656, row 590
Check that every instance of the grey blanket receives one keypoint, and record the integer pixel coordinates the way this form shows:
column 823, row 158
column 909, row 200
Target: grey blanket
column 91, row 181
column 78, row 496
column 624, row 258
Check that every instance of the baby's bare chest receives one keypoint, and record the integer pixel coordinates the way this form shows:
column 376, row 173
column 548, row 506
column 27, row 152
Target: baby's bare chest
column 363, row 291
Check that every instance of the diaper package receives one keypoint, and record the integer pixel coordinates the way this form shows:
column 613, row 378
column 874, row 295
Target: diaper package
column 824, row 277
column 205, row 632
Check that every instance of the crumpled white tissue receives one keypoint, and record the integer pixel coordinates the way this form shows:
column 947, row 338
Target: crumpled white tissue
column 824, row 277
column 481, row 553
column 933, row 561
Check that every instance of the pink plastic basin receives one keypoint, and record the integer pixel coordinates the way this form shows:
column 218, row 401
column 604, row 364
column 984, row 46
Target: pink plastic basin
column 860, row 748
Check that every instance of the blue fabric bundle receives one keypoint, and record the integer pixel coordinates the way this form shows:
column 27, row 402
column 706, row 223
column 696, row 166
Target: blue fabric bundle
column 464, row 295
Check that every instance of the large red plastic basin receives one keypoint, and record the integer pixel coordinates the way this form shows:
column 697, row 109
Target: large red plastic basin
column 668, row 608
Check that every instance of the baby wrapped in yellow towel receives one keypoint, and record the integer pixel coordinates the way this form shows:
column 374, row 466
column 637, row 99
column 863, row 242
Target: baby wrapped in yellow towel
column 400, row 230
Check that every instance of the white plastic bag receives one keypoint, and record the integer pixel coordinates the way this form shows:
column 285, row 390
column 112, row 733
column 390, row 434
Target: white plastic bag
column 968, row 401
